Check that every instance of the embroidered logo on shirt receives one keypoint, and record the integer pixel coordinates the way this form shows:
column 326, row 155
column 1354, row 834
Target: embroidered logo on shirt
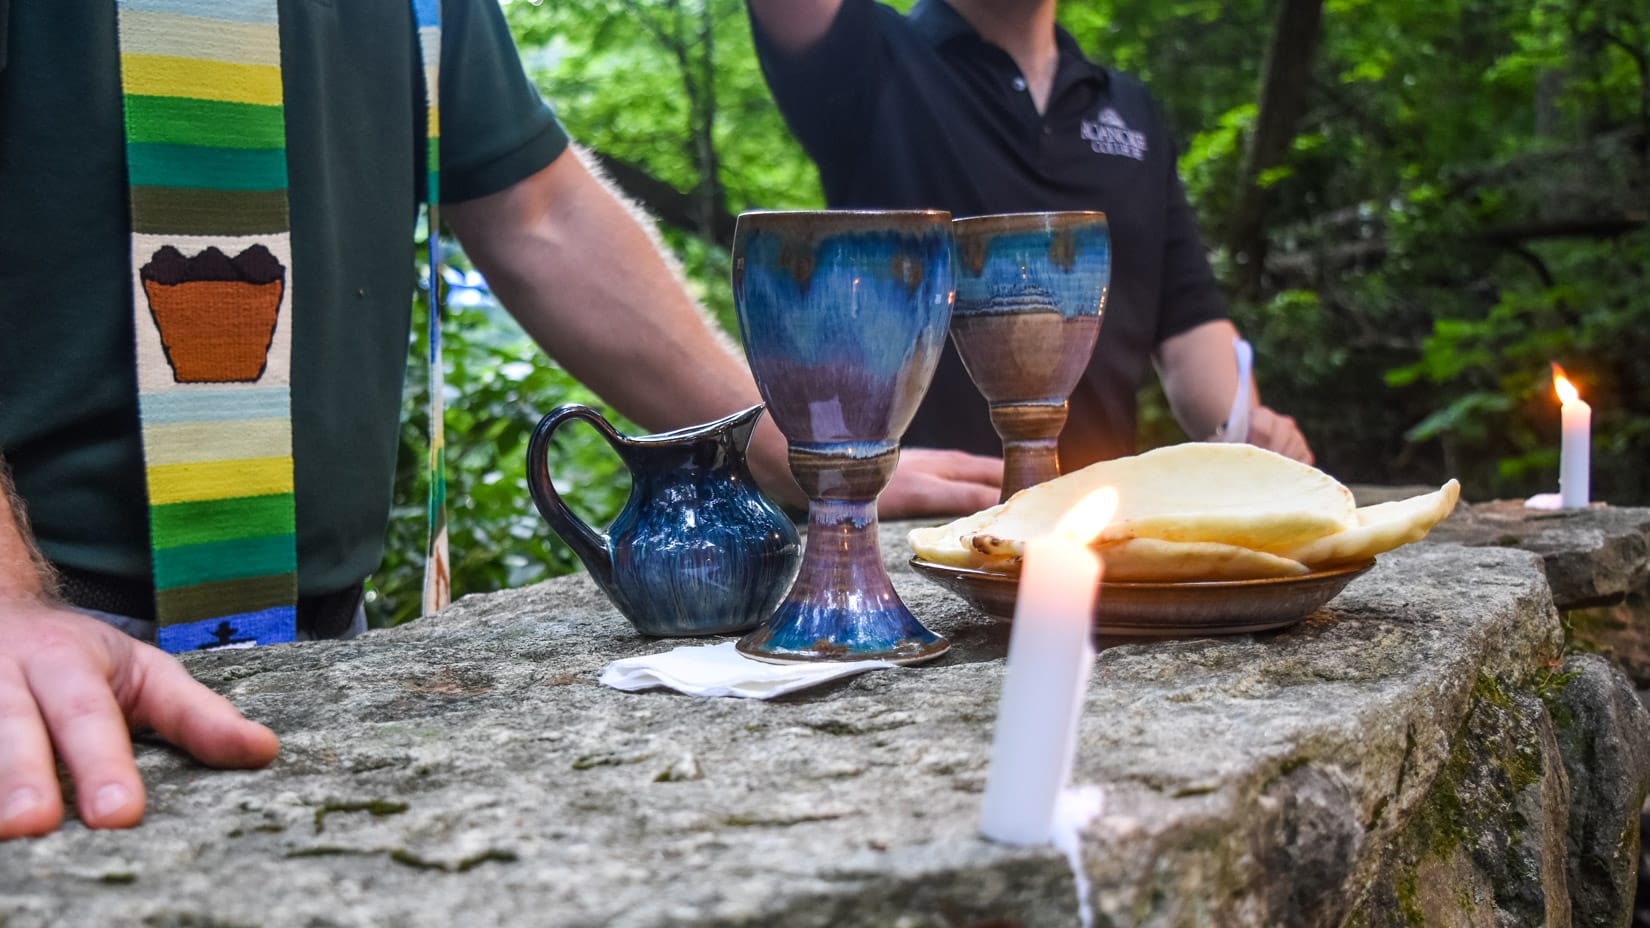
column 1108, row 134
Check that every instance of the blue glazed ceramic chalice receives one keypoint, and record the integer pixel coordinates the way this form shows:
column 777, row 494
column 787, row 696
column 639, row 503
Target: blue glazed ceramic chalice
column 1030, row 290
column 843, row 315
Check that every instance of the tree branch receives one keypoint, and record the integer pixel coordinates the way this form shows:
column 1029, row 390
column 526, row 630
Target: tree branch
column 1311, row 265
column 673, row 207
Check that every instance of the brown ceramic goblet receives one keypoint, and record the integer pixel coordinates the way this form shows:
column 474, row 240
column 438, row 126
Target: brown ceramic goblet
column 1030, row 291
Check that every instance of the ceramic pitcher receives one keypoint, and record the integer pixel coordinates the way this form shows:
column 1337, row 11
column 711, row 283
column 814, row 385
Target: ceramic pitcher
column 697, row 549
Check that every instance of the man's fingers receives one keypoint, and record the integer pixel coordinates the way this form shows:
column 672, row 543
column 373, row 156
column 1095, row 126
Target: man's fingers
column 922, row 495
column 955, row 465
column 164, row 697
column 91, row 737
column 29, row 800
column 1280, row 433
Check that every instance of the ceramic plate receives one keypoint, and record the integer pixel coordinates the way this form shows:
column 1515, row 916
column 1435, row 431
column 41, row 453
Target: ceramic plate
column 1168, row 610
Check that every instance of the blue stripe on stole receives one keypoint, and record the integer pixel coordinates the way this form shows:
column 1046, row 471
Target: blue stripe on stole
column 236, row 11
column 427, row 12
column 214, row 405
column 268, row 626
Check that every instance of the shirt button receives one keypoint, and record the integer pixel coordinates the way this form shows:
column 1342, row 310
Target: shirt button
column 1019, row 83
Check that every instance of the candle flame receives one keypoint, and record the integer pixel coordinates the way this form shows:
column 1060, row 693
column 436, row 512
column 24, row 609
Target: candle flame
column 1562, row 386
column 1089, row 517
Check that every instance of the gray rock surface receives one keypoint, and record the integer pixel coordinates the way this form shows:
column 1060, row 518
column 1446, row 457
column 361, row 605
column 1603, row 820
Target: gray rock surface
column 1604, row 738
column 468, row 770
column 1593, row 556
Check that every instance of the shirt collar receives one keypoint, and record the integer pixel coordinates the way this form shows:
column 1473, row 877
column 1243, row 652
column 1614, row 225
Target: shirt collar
column 937, row 21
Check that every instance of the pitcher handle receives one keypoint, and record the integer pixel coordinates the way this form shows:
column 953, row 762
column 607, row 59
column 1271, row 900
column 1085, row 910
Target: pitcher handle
column 591, row 546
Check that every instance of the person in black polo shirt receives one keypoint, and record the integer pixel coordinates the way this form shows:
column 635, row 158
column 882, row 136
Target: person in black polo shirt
column 986, row 106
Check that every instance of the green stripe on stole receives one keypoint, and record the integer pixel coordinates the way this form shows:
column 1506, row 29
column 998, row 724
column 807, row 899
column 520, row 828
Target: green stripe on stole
column 183, row 121
column 205, row 167
column 176, row 524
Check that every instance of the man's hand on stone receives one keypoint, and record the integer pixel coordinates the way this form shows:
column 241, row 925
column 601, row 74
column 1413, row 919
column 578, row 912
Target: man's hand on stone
column 931, row 482
column 70, row 682
column 1277, row 432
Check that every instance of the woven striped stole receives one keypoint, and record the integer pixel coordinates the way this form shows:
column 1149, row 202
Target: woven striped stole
column 212, row 305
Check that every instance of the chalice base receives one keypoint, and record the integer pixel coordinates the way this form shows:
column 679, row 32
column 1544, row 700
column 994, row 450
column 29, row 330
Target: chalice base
column 842, row 606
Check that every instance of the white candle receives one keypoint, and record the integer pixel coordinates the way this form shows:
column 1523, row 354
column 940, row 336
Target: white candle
column 1049, row 658
column 1575, row 448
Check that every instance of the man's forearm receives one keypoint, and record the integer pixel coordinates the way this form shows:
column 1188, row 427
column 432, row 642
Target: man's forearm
column 590, row 284
column 1199, row 374
column 795, row 25
column 24, row 572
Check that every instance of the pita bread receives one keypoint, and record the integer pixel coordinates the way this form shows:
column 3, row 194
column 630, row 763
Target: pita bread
column 1381, row 528
column 1148, row 559
column 1231, row 494
column 948, row 544
column 1198, row 511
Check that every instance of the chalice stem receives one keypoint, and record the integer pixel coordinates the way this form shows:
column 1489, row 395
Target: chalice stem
column 1031, row 437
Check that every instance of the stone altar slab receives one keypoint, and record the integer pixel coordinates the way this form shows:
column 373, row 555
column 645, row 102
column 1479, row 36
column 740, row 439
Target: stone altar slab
column 1598, row 566
column 1400, row 758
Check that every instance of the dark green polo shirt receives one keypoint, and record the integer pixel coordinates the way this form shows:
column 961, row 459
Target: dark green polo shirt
column 354, row 117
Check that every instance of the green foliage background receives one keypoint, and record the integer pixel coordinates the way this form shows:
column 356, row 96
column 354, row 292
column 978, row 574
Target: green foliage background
column 1466, row 200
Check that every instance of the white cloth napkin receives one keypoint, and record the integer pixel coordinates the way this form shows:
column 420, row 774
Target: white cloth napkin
column 1545, row 501
column 719, row 670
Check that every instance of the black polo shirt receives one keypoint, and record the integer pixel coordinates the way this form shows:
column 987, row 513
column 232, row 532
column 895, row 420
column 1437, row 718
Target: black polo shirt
column 918, row 111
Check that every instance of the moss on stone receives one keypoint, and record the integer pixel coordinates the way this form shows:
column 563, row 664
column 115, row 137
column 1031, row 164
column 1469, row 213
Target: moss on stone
column 1488, row 689
column 1494, row 756
column 118, row 878
column 374, row 807
column 325, row 850
column 407, row 858
column 1464, row 899
column 742, row 821
column 1407, row 889
column 1186, row 792
column 490, row 855
column 589, row 761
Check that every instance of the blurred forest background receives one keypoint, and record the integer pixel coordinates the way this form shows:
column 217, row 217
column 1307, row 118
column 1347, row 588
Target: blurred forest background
column 1414, row 206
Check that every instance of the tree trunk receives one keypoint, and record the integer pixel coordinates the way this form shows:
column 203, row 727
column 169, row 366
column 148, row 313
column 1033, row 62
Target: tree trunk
column 1284, row 85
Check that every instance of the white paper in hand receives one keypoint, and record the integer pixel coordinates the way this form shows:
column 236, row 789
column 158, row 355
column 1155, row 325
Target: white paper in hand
column 719, row 670
column 1236, row 428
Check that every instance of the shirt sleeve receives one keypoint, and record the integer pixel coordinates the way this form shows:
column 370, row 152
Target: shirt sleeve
column 825, row 93
column 495, row 129
column 1191, row 295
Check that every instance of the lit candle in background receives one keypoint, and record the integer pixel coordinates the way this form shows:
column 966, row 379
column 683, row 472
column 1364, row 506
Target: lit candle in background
column 1575, row 448
column 1050, row 654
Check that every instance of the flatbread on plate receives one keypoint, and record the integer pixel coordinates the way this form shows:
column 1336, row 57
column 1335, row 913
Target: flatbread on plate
column 1232, row 494
column 948, row 544
column 1149, row 559
column 1381, row 527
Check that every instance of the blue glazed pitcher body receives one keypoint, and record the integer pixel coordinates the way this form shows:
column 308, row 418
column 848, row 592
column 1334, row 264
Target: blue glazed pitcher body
column 697, row 548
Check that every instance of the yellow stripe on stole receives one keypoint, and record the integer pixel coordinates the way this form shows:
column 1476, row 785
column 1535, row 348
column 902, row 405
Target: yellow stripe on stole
column 216, row 440
column 189, row 483
column 166, row 76
column 144, row 33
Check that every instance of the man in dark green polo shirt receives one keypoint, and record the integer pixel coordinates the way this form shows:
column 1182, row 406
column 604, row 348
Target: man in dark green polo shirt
column 986, row 106
column 578, row 270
